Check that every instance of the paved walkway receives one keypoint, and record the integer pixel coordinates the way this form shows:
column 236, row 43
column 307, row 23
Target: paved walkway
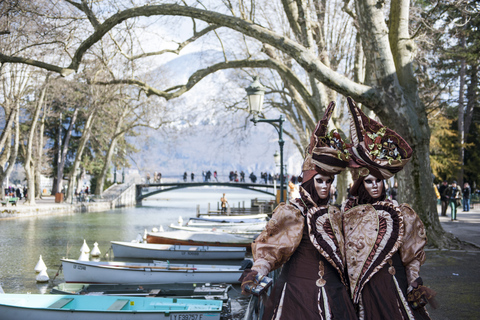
column 467, row 226
column 455, row 274
column 45, row 202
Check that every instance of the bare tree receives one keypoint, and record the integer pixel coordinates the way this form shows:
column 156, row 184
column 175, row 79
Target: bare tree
column 389, row 87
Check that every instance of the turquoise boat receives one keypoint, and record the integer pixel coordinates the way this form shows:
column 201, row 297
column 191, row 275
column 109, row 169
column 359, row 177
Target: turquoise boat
column 73, row 307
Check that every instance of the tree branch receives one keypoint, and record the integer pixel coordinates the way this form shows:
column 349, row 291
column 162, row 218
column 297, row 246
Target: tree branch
column 306, row 59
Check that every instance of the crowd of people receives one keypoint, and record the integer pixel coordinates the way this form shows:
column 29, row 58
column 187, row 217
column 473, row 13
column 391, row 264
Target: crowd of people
column 358, row 261
column 233, row 176
column 451, row 195
column 16, row 192
column 157, row 177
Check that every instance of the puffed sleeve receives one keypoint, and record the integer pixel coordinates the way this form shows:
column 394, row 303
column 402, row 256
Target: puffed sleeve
column 414, row 240
column 280, row 238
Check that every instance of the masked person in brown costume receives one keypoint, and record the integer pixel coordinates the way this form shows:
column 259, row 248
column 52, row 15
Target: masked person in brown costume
column 384, row 241
column 305, row 237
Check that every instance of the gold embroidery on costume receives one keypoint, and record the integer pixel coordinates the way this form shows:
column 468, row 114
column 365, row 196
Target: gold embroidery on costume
column 321, row 282
column 391, row 269
column 322, row 294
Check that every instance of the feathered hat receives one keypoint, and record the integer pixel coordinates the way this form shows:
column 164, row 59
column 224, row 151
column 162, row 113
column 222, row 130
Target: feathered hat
column 327, row 153
column 375, row 149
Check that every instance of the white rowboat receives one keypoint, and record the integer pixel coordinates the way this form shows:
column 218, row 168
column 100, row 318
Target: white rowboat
column 200, row 239
column 260, row 216
column 172, row 252
column 157, row 272
column 194, row 222
column 241, row 231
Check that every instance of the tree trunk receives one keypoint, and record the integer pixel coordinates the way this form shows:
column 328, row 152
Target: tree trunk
column 78, row 157
column 108, row 157
column 56, row 184
column 29, row 163
column 63, row 156
column 399, row 107
column 38, row 169
column 472, row 98
column 461, row 117
column 6, row 151
column 11, row 157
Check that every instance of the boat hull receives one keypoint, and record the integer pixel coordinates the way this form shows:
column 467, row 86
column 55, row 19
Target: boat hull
column 51, row 307
column 200, row 239
column 172, row 252
column 238, row 231
column 134, row 273
column 175, row 290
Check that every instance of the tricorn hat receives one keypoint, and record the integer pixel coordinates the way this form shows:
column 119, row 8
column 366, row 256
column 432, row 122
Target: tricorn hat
column 327, row 153
column 375, row 150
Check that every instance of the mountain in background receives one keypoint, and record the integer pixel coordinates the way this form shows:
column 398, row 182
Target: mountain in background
column 210, row 137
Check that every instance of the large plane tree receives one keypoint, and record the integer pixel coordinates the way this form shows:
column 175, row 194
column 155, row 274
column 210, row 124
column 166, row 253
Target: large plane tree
column 289, row 38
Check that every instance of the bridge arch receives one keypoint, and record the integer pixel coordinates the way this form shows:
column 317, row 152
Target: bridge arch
column 182, row 185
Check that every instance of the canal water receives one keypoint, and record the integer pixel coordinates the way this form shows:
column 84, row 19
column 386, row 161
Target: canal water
column 23, row 240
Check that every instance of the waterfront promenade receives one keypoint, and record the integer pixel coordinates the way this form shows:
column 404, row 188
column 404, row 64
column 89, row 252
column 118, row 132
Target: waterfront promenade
column 47, row 206
column 118, row 195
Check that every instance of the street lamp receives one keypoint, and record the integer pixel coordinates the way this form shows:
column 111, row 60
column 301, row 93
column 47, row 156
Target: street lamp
column 276, row 158
column 255, row 94
column 115, row 167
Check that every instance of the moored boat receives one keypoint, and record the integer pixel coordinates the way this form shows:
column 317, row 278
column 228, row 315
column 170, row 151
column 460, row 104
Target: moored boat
column 177, row 290
column 172, row 251
column 258, row 225
column 80, row 307
column 241, row 231
column 239, row 218
column 156, row 272
column 200, row 239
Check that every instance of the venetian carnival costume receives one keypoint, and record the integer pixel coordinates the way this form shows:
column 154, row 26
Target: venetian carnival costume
column 384, row 241
column 305, row 237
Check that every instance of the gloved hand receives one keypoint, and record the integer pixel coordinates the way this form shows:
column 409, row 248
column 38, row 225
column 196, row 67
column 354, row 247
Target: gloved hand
column 420, row 295
column 253, row 283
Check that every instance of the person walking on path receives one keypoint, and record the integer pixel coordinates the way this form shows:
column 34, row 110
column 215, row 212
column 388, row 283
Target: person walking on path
column 224, row 202
column 454, row 195
column 466, row 196
column 192, row 176
column 443, row 198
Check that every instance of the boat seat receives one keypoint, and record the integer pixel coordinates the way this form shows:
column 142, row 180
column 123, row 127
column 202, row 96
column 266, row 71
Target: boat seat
column 118, row 304
column 60, row 303
column 154, row 292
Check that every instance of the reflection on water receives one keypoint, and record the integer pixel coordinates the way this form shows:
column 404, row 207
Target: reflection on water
column 23, row 240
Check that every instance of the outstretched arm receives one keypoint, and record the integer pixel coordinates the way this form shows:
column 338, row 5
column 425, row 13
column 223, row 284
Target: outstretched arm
column 281, row 237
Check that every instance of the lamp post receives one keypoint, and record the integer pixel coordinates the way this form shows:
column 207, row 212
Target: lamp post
column 255, row 94
column 115, row 167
